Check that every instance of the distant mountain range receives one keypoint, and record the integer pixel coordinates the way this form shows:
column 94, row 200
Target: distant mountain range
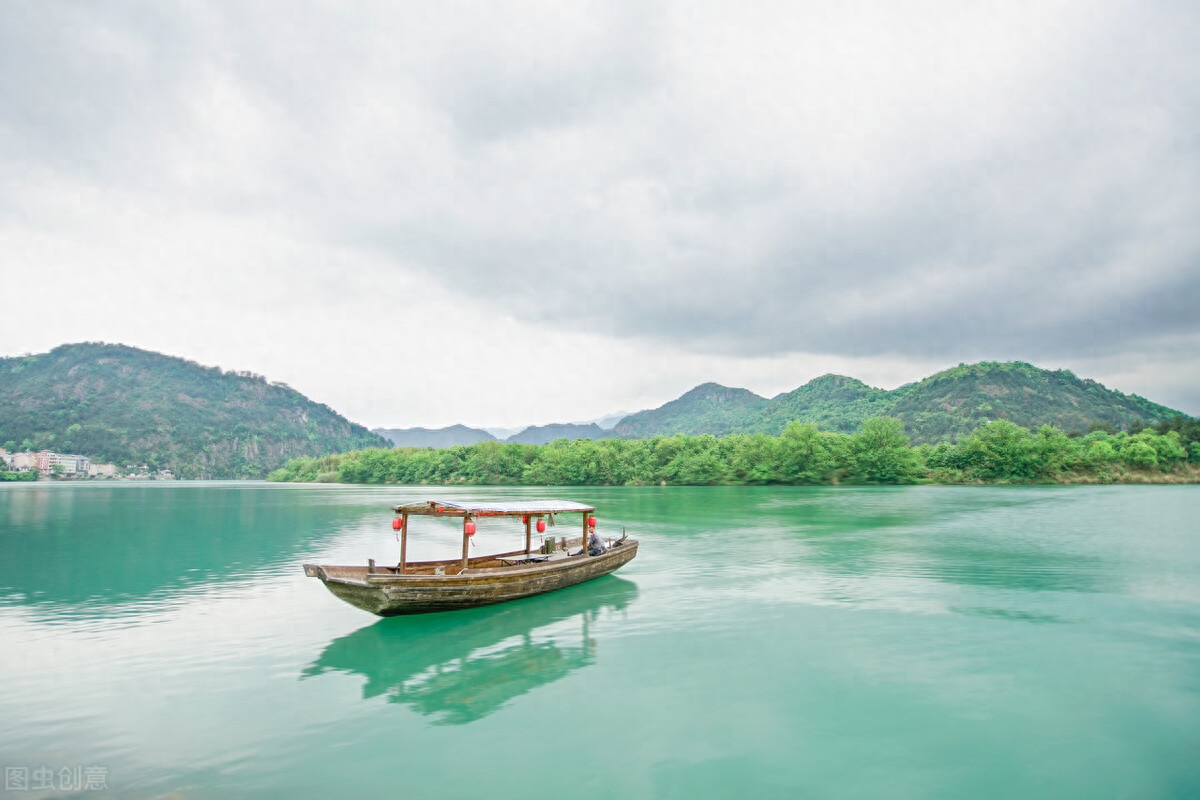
column 129, row 406
column 462, row 435
column 944, row 406
column 543, row 434
column 123, row 405
column 452, row 436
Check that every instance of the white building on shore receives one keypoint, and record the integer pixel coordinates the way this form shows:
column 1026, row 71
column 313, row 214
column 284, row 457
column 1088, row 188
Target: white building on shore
column 70, row 463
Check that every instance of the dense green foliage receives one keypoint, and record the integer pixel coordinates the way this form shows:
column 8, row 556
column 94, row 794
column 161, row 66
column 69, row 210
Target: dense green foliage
column 119, row 404
column 128, row 406
column 831, row 402
column 942, row 407
column 879, row 452
column 953, row 403
column 7, row 475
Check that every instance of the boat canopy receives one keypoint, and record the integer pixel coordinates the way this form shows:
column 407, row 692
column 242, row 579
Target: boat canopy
column 450, row 508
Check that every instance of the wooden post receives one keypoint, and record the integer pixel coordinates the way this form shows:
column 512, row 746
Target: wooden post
column 528, row 522
column 466, row 541
column 403, row 541
column 585, row 533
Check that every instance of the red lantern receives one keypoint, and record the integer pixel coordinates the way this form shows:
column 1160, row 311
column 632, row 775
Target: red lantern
column 469, row 527
column 591, row 522
column 397, row 523
column 541, row 526
column 525, row 519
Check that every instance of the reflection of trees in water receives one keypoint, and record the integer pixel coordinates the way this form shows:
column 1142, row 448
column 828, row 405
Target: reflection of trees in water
column 88, row 546
column 957, row 536
column 465, row 665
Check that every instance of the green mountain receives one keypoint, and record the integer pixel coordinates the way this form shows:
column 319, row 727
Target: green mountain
column 954, row 402
column 709, row 408
column 544, row 434
column 123, row 405
column 944, row 406
column 831, row 402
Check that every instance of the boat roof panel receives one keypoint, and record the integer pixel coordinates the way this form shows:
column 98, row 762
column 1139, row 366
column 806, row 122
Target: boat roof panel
column 452, row 508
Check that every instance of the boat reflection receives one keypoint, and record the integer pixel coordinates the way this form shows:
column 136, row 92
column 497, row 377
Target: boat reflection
column 98, row 548
column 464, row 665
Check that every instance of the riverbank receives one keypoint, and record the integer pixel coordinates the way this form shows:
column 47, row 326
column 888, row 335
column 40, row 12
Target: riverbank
column 879, row 453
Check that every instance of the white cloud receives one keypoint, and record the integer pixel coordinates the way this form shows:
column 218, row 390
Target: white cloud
column 595, row 206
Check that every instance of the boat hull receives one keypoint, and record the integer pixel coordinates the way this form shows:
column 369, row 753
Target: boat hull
column 389, row 594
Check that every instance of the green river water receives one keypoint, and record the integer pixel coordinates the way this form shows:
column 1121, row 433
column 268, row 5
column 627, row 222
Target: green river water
column 766, row 642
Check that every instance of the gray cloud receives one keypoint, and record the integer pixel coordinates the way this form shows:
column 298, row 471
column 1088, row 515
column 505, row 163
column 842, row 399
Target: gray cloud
column 933, row 182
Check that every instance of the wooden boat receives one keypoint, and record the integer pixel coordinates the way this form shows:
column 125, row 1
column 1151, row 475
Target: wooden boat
column 423, row 586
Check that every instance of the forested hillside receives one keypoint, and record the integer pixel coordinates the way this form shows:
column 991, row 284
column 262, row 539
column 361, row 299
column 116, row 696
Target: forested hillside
column 942, row 407
column 954, row 402
column 831, row 402
column 123, row 405
column 709, row 408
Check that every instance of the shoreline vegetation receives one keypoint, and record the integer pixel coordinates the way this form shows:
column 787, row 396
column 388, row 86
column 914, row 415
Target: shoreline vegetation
column 879, row 453
column 124, row 406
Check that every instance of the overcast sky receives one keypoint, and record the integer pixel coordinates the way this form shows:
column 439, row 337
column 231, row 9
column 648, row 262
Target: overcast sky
column 512, row 213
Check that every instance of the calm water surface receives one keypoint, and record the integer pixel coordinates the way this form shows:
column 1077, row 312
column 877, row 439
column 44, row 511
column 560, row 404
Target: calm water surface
column 768, row 642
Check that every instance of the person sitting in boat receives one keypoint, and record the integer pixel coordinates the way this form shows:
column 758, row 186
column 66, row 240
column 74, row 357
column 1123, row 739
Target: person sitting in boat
column 595, row 543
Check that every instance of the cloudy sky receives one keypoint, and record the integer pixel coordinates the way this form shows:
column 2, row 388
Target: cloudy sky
column 515, row 213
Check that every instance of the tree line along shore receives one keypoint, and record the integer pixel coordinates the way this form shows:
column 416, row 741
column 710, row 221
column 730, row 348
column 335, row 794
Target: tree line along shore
column 999, row 452
column 120, row 405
